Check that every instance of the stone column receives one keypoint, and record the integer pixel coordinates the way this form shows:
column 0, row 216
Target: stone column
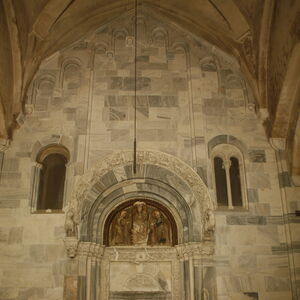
column 88, row 275
column 37, row 168
column 71, row 274
column 227, row 164
column 190, row 254
column 278, row 145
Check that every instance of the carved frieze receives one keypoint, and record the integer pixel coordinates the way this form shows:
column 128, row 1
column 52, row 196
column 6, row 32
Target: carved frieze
column 194, row 250
column 91, row 250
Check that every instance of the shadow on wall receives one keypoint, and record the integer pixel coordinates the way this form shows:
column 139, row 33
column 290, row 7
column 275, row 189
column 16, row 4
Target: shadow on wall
column 252, row 295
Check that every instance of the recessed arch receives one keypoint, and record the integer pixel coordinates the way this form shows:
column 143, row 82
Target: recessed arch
column 160, row 177
column 129, row 205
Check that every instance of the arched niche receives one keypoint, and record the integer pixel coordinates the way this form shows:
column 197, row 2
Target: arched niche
column 160, row 177
column 140, row 222
column 93, row 225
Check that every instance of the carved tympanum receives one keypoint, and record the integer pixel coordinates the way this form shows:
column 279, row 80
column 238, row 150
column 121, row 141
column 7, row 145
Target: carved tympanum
column 140, row 224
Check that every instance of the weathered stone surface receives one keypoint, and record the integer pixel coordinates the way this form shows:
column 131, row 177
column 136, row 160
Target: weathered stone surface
column 237, row 220
column 252, row 195
column 9, row 203
column 70, row 288
column 277, row 284
column 284, row 179
column 15, row 235
column 8, row 293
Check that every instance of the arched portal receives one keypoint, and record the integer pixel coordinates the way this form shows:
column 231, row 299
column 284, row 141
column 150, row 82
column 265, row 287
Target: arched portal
column 150, row 229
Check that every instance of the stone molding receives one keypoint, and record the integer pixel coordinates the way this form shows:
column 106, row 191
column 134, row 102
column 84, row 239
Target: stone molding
column 138, row 254
column 123, row 158
column 88, row 249
column 194, row 250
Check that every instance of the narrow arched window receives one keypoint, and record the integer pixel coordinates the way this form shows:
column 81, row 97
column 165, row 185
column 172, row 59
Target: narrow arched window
column 52, row 181
column 49, row 178
column 229, row 177
column 221, row 185
column 71, row 76
column 235, row 182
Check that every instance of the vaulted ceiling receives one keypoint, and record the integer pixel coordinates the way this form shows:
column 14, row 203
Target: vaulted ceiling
column 263, row 36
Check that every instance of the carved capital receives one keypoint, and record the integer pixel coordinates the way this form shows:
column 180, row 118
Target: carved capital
column 71, row 245
column 194, row 249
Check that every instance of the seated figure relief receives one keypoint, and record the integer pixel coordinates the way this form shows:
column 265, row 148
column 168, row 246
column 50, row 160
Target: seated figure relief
column 140, row 225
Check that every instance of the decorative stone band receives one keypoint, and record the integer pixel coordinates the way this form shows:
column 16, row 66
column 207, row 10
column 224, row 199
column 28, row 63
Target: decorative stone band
column 194, row 250
column 123, row 158
column 91, row 250
column 184, row 251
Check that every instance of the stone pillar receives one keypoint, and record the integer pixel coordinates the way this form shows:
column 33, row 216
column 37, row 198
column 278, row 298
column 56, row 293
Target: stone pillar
column 37, row 168
column 71, row 275
column 227, row 164
column 205, row 278
column 191, row 254
column 84, row 282
column 279, row 145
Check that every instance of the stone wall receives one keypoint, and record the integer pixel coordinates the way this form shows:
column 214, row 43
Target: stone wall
column 191, row 97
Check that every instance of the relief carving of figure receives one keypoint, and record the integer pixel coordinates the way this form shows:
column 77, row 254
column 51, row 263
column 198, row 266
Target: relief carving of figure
column 159, row 230
column 121, row 232
column 70, row 224
column 209, row 221
column 140, row 227
column 140, row 224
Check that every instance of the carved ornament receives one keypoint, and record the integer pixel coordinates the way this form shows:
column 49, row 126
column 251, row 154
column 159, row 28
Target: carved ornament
column 71, row 245
column 91, row 250
column 123, row 158
column 194, row 250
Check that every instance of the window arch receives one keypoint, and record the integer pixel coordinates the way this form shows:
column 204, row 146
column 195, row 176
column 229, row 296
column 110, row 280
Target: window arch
column 229, row 177
column 49, row 178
